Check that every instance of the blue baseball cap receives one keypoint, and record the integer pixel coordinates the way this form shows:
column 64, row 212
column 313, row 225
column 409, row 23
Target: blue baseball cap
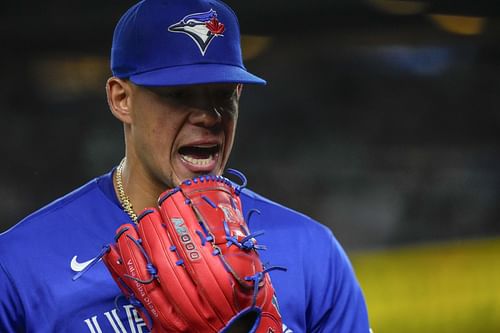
column 179, row 42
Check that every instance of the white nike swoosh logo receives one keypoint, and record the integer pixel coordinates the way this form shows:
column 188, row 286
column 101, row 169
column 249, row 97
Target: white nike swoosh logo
column 80, row 266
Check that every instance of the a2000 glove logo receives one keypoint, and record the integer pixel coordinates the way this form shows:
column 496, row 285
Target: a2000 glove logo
column 185, row 238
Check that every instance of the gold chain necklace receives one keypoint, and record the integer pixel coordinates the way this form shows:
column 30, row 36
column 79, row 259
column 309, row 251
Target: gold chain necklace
column 124, row 200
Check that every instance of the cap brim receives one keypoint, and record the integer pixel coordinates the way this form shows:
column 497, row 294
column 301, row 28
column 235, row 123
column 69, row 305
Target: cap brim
column 196, row 74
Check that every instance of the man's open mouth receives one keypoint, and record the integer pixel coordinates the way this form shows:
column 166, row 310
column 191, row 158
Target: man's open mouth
column 202, row 155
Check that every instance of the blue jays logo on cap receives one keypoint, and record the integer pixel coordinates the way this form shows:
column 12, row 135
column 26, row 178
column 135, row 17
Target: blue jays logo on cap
column 146, row 50
column 201, row 27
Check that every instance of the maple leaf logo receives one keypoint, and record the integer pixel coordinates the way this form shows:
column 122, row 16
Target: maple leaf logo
column 215, row 26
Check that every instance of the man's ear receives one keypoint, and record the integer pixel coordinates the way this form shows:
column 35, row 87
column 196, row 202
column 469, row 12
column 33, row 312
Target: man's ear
column 118, row 92
column 239, row 89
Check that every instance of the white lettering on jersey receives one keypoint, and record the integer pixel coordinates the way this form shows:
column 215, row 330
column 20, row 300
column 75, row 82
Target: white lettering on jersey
column 134, row 321
column 115, row 321
column 93, row 324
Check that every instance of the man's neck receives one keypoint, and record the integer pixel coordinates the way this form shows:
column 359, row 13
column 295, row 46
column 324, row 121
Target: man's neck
column 138, row 188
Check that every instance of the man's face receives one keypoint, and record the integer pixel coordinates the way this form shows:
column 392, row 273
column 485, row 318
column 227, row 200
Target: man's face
column 178, row 133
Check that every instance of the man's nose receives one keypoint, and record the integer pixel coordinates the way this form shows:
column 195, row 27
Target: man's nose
column 207, row 117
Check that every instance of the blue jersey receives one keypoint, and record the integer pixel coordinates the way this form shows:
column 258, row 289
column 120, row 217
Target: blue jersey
column 40, row 255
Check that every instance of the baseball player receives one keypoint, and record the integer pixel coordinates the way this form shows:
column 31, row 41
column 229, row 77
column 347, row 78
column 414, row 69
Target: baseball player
column 177, row 80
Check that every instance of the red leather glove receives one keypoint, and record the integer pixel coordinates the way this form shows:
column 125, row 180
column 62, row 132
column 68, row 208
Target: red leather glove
column 191, row 265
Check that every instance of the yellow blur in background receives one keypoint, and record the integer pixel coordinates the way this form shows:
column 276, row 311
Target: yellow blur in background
column 447, row 287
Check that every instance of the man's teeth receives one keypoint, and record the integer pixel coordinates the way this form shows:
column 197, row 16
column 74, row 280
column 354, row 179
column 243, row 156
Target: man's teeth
column 198, row 161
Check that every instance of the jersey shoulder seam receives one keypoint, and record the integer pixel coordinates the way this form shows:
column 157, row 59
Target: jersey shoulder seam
column 56, row 205
column 67, row 199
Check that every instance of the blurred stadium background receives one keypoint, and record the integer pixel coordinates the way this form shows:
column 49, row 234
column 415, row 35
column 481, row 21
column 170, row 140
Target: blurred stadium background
column 380, row 119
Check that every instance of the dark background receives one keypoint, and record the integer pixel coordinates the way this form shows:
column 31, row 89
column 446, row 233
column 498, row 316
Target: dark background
column 380, row 118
